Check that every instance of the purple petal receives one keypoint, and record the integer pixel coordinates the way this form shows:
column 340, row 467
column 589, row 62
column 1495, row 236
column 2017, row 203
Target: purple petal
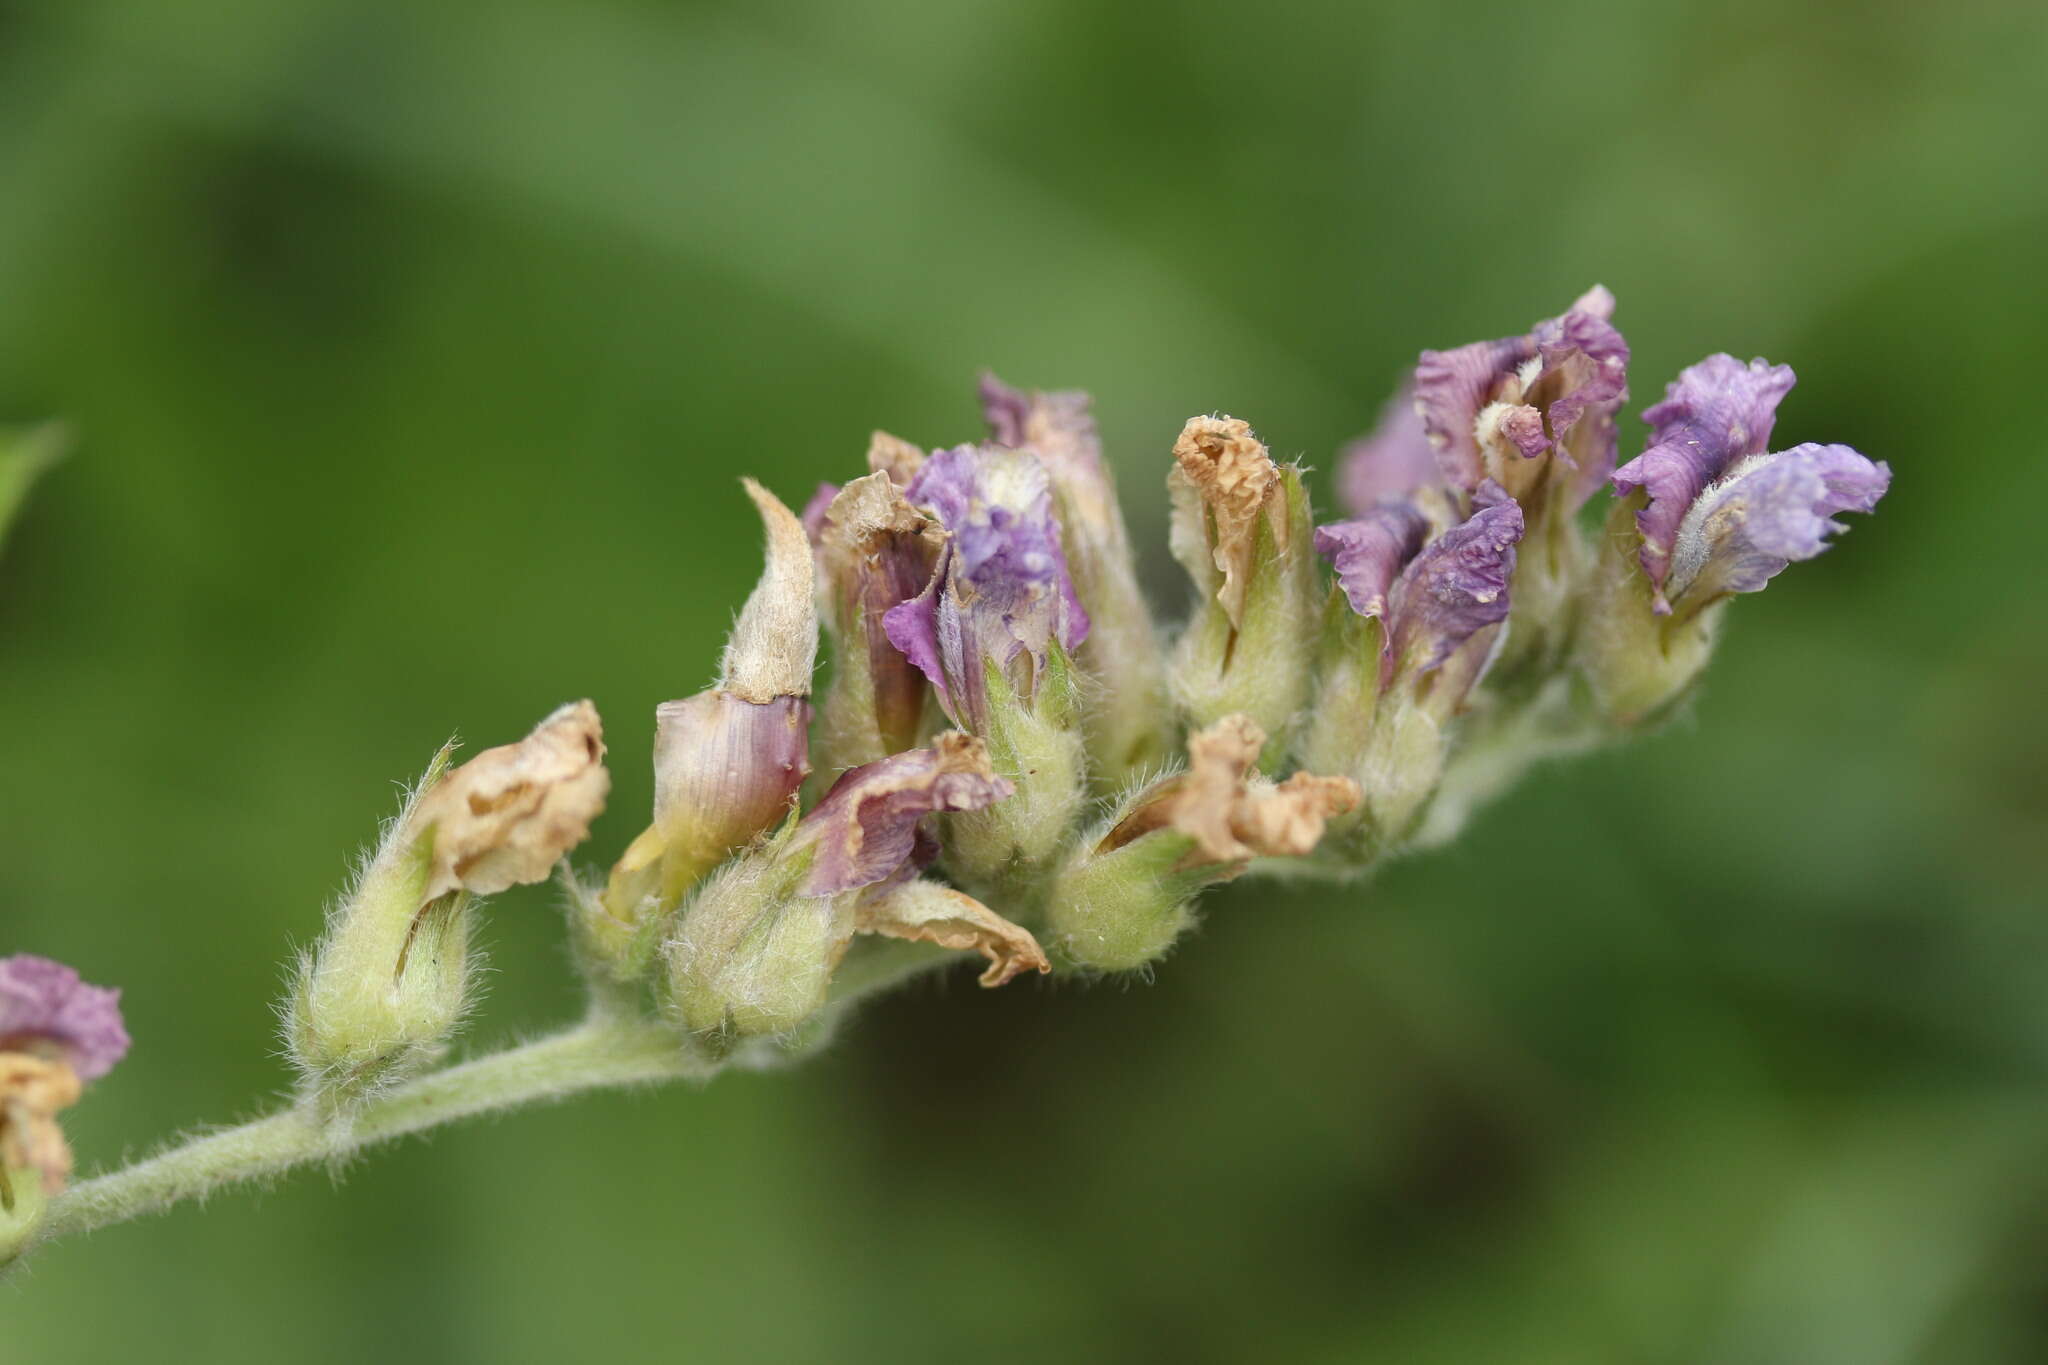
column 1451, row 388
column 1457, row 585
column 866, row 830
column 45, row 1001
column 1394, row 458
column 912, row 625
column 1369, row 552
column 1714, row 414
column 1769, row 511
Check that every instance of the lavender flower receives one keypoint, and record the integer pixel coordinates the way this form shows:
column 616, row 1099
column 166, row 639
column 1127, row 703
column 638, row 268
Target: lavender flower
column 1723, row 516
column 1534, row 415
column 56, row 1033
column 1422, row 602
column 1002, row 597
column 1707, row 511
column 1125, row 716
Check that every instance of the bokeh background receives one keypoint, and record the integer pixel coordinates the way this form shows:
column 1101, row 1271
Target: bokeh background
column 414, row 350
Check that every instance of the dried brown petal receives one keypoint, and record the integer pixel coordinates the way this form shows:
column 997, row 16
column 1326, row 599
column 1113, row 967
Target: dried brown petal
column 1229, row 811
column 929, row 913
column 1287, row 821
column 1230, row 470
column 894, row 456
column 506, row 817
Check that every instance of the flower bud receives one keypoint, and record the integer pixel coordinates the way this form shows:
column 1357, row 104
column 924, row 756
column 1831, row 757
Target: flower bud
column 757, row 946
column 727, row 763
column 378, row 997
column 56, row 1034
column 1128, row 893
column 1123, row 711
column 1241, row 529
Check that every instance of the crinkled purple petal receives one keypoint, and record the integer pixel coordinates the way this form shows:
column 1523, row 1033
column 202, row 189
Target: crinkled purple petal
column 867, row 828
column 1451, row 388
column 1715, row 414
column 1721, row 408
column 1394, row 458
column 45, row 1001
column 1457, row 585
column 1370, row 552
column 1769, row 511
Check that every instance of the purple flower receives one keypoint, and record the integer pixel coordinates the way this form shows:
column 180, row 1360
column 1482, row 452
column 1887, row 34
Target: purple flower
column 1492, row 408
column 1002, row 593
column 1723, row 516
column 1434, row 595
column 45, row 1002
column 1125, row 716
column 867, row 828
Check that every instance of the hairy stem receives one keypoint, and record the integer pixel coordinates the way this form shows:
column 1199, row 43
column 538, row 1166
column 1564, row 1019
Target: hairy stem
column 605, row 1051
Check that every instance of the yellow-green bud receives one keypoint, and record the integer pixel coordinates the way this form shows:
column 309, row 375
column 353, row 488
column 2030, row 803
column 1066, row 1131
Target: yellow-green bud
column 378, row 997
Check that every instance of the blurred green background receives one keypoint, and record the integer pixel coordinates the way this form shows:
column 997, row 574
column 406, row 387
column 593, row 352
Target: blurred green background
column 414, row 350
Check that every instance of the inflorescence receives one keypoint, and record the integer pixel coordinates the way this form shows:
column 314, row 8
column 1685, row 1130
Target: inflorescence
column 1009, row 757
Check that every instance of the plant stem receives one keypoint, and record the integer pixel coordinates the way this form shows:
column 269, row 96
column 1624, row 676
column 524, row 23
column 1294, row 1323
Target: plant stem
column 605, row 1051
